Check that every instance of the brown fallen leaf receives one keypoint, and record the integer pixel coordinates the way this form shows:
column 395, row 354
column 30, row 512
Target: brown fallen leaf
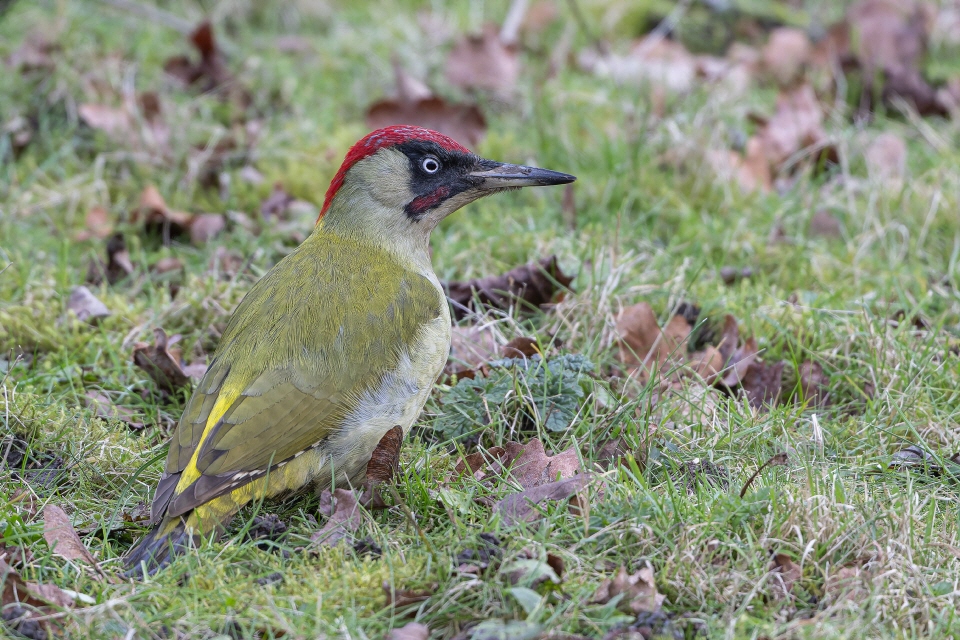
column 786, row 54
column 475, row 462
column 886, row 158
column 846, row 584
column 409, row 631
column 521, row 347
column 343, row 517
column 762, row 383
column 639, row 591
column 402, row 598
column 210, row 73
column 786, row 574
column 276, row 204
column 137, row 122
column 663, row 64
column 34, row 54
column 117, row 267
column 521, row 507
column 643, row 346
column 382, row 466
column 530, row 466
column 86, row 306
column 97, row 225
column 814, row 383
column 825, row 224
column 731, row 275
column 471, row 347
column 154, row 215
column 109, row 411
column 528, row 287
column 888, row 42
column 416, row 105
column 206, row 227
column 484, row 61
column 161, row 365
column 63, row 539
column 40, row 598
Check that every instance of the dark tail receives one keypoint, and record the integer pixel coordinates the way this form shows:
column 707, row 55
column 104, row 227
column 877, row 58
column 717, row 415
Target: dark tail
column 158, row 548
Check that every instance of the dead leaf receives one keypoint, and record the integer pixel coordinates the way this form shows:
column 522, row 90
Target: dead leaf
column 343, row 515
column 642, row 345
column 520, row 507
column 401, row 598
column 528, row 287
column 195, row 370
column 210, row 73
column 707, row 363
column 786, row 574
column 471, row 347
column 762, row 383
column 409, row 631
column 530, row 466
column 206, row 227
column 166, row 265
column 814, row 383
column 154, row 215
column 786, row 54
column 277, row 203
column 161, row 365
column 611, row 452
column 114, row 121
column 521, row 347
column 479, row 459
column 18, row 591
column 825, row 224
column 736, row 366
column 639, row 591
column 86, row 306
column 34, row 54
column 226, row 262
column 97, row 223
column 886, row 158
column 382, row 466
column 20, row 130
column 846, row 584
column 663, row 64
column 105, row 408
column 118, row 264
column 731, row 275
column 797, row 124
column 416, row 105
column 479, row 558
column 63, row 539
column 483, row 61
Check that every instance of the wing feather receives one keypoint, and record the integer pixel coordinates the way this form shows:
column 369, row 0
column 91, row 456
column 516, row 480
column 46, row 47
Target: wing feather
column 281, row 381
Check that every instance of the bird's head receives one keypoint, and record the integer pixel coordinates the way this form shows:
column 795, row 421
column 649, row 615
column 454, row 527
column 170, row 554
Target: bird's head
column 399, row 182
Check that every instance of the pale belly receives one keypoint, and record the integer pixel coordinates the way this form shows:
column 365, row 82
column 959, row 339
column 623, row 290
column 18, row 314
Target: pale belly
column 396, row 401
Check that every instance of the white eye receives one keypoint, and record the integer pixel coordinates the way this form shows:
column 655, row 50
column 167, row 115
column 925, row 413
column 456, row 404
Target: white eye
column 430, row 164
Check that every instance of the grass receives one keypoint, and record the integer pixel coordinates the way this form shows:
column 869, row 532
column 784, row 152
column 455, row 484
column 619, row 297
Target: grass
column 648, row 228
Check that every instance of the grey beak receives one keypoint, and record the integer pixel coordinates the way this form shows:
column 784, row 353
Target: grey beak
column 499, row 175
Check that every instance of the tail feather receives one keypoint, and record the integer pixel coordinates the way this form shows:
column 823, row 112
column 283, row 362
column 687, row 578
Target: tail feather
column 157, row 549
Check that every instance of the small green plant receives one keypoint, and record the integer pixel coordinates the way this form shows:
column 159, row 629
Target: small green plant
column 524, row 391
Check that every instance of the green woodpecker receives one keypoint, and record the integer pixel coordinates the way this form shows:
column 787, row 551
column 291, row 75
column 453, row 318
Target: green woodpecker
column 341, row 341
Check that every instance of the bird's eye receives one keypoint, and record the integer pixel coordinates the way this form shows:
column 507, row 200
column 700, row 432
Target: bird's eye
column 430, row 164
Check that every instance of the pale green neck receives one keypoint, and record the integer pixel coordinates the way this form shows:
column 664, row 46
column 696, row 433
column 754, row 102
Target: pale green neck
column 354, row 214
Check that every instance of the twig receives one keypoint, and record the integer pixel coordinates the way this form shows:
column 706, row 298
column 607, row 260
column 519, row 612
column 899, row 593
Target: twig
column 775, row 461
column 510, row 31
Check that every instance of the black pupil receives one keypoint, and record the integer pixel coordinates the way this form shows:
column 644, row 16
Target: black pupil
column 430, row 165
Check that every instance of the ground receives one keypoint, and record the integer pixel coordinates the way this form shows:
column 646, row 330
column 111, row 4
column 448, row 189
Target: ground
column 836, row 542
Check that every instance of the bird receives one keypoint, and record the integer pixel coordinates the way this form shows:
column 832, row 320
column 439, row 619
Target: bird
column 337, row 344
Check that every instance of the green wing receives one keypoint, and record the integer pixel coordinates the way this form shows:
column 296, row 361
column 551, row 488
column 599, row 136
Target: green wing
column 302, row 346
